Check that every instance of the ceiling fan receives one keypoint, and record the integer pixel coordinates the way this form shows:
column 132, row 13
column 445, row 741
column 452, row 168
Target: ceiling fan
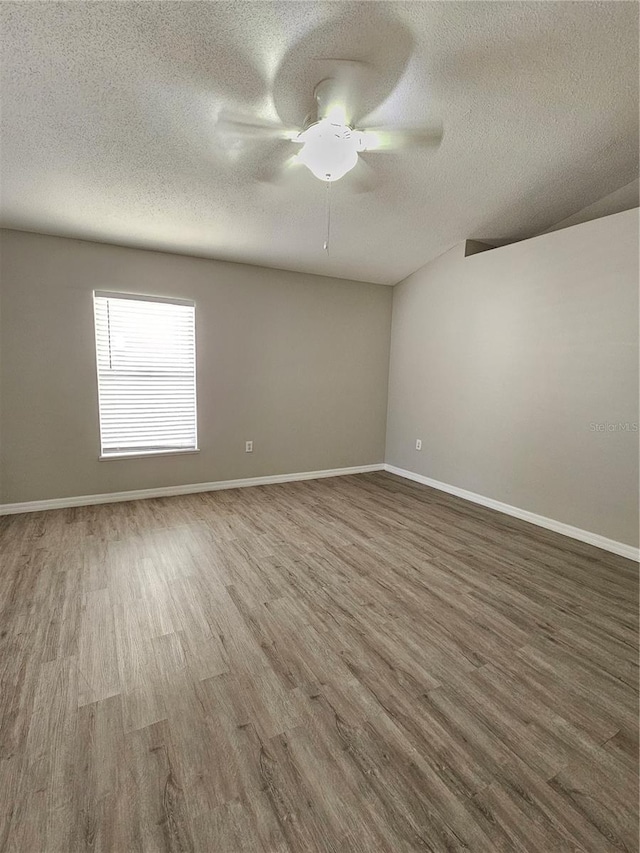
column 329, row 141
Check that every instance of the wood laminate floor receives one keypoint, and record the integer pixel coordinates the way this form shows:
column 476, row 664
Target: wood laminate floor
column 354, row 664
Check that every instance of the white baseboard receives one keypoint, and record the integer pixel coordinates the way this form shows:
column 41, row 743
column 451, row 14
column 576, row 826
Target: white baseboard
column 193, row 488
column 540, row 520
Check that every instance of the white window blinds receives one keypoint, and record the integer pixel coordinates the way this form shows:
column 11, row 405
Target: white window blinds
column 146, row 362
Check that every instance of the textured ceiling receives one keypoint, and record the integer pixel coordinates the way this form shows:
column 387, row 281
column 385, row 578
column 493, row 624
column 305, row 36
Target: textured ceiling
column 109, row 112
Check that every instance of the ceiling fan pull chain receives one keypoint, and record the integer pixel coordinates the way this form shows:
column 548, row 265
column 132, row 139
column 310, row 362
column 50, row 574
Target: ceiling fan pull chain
column 328, row 208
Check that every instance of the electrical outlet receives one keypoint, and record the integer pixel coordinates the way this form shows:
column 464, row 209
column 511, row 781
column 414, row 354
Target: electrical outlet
column 248, row 447
column 418, row 444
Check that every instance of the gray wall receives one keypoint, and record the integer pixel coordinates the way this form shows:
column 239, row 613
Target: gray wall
column 502, row 361
column 297, row 363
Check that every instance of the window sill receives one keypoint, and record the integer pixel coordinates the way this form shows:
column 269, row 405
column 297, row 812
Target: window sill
column 140, row 454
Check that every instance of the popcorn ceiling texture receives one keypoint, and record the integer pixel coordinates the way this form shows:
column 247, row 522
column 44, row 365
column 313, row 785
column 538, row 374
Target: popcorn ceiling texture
column 109, row 112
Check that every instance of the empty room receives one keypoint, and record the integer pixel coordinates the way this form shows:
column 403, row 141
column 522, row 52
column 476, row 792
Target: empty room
column 319, row 449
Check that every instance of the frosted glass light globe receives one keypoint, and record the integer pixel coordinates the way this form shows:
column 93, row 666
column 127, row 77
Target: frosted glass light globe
column 329, row 150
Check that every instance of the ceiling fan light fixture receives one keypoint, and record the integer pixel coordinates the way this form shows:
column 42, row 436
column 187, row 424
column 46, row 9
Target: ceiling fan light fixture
column 336, row 114
column 329, row 150
column 369, row 140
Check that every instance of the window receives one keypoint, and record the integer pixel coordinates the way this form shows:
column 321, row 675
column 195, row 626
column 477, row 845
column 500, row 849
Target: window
column 145, row 352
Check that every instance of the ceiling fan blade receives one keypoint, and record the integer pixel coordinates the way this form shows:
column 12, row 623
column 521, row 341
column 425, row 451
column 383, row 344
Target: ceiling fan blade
column 251, row 127
column 372, row 45
column 339, row 94
column 279, row 174
column 393, row 138
column 363, row 178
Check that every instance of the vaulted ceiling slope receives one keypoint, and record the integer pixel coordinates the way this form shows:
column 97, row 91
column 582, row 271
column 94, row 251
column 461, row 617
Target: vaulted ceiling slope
column 109, row 114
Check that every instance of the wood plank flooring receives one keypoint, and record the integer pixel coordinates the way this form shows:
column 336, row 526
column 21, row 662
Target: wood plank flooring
column 353, row 664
